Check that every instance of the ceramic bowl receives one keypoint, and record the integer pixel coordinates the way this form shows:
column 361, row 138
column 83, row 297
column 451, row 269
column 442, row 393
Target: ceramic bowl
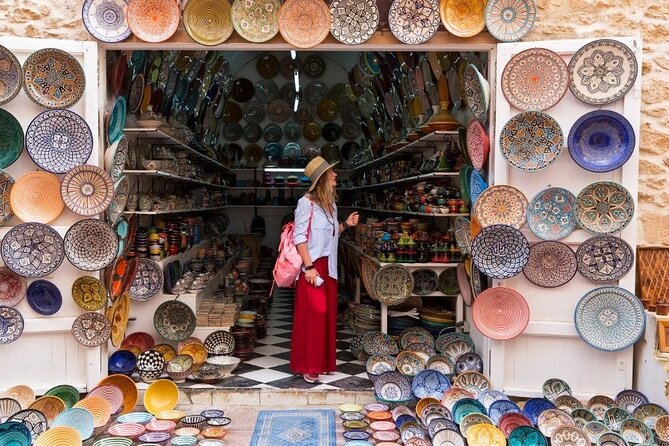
column 161, row 396
column 195, row 421
column 225, row 364
column 122, row 361
column 214, row 432
column 149, row 376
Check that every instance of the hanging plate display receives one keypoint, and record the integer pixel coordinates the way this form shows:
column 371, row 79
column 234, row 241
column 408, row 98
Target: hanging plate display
column 551, row 264
column 89, row 293
column 550, row 215
column 602, row 71
column 510, row 20
column 117, row 206
column 115, row 157
column 610, row 318
column 87, row 190
column 148, row 281
column 604, row 207
column 304, row 23
column 11, row 325
column 476, row 92
column 414, row 21
column 53, row 78
column 44, row 297
column 256, row 20
column 117, row 120
column 601, row 141
column 501, row 205
column 91, row 244
column 91, row 329
column 58, row 140
column 208, row 22
column 32, row 250
column 35, row 197
column 500, row 251
column 153, row 20
column 11, row 138
column 604, row 258
column 12, row 287
column 463, row 18
column 393, row 284
column 500, row 313
column 11, row 75
column 106, row 19
column 354, row 21
column 118, row 316
column 478, row 144
column 6, row 184
column 174, row 320
column 531, row 141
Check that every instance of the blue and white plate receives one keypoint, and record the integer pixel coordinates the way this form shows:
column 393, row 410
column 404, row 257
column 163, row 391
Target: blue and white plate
column 430, row 383
column 476, row 186
column 550, row 214
column 106, row 19
column 393, row 386
column 601, row 141
column 502, row 407
column 534, row 406
column 490, row 396
column 500, row 251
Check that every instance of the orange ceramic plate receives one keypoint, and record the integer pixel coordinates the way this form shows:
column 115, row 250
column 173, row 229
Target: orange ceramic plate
column 50, row 406
column 60, row 436
column 35, row 197
column 118, row 316
column 98, row 407
column 127, row 387
column 196, row 351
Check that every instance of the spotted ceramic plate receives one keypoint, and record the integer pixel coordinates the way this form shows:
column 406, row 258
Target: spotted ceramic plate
column 53, row 78
column 604, row 207
column 531, row 141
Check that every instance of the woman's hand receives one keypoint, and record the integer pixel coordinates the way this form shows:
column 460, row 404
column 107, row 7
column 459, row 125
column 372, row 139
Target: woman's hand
column 352, row 219
column 310, row 276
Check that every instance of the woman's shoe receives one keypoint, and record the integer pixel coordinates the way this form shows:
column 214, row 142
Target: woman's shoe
column 311, row 378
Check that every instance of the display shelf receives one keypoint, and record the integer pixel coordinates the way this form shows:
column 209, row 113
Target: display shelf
column 433, row 265
column 161, row 174
column 184, row 256
column 174, row 211
column 268, row 187
column 250, row 206
column 424, row 214
column 403, row 180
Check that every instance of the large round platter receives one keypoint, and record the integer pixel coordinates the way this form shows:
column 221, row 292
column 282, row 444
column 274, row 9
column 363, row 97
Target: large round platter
column 91, row 244
column 53, row 78
column 11, row 138
column 463, row 18
column 604, row 258
column 304, row 23
column 510, row 20
column 115, row 157
column 354, row 21
column 87, row 190
column 501, row 205
column 106, row 19
column 551, row 264
column 393, row 386
column 601, row 141
column 256, row 20
column 89, row 293
column 550, row 215
column 393, row 284
column 476, row 92
column 478, row 144
column 174, row 320
column 604, row 207
column 35, row 197
column 148, row 280
column 208, row 22
column 11, row 326
column 531, row 141
column 12, row 287
column 91, row 329
column 535, row 79
column 602, row 71
column 500, row 313
column 610, row 318
column 44, row 297
column 117, row 119
column 58, row 140
column 32, row 250
column 11, row 76
column 414, row 22
column 6, row 184
column 153, row 20
column 500, row 251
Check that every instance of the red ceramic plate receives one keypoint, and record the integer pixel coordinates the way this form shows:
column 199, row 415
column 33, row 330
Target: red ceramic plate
column 500, row 313
column 139, row 339
column 153, row 20
column 478, row 144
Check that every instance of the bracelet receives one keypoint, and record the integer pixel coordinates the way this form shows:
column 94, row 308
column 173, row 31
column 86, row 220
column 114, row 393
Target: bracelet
column 309, row 268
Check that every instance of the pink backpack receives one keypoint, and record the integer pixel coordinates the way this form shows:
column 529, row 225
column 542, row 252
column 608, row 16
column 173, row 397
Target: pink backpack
column 289, row 263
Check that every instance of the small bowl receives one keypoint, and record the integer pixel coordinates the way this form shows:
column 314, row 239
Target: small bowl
column 179, row 377
column 170, row 415
column 193, row 421
column 183, row 441
column 212, row 413
column 122, row 361
column 214, row 432
column 225, row 364
column 187, row 432
column 219, row 421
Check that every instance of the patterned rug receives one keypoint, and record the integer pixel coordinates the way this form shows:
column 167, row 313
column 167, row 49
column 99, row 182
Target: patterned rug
column 295, row 427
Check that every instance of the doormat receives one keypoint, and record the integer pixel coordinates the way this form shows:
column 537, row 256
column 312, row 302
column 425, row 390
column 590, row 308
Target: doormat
column 295, row 427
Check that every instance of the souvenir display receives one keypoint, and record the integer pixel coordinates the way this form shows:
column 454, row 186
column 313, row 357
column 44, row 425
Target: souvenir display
column 153, row 20
column 53, row 78
column 11, row 75
column 91, row 329
column 256, row 20
column 91, row 244
column 44, row 297
column 602, row 71
column 463, row 18
column 32, row 250
column 604, row 207
column 208, row 22
column 500, row 313
column 510, row 20
column 500, row 251
column 414, row 22
column 354, row 21
column 89, row 293
column 501, row 205
column 551, row 264
column 476, row 92
column 87, row 190
column 531, row 141
column 106, row 19
column 174, row 320
column 550, row 215
column 11, row 326
column 304, row 23
column 604, row 258
column 148, row 281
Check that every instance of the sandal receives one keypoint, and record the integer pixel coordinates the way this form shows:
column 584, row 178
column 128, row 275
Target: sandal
column 311, row 378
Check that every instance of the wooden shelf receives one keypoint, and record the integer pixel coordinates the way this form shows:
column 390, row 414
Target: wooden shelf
column 160, row 174
column 184, row 256
column 403, row 180
column 174, row 211
column 424, row 214
column 432, row 265
column 268, row 187
column 250, row 206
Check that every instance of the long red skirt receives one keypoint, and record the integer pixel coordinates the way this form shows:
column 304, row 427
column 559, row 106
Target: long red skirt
column 313, row 345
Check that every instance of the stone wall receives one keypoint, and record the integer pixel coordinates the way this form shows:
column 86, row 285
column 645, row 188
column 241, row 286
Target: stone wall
column 557, row 19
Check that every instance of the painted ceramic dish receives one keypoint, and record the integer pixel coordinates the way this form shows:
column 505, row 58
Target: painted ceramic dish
column 208, row 22
column 98, row 407
column 11, row 75
column 630, row 399
column 430, row 383
column 89, row 293
column 33, row 419
column 464, row 407
column 510, row 421
column 469, row 362
column 118, row 316
column 649, row 413
column 53, row 78
column 531, row 141
column 393, row 284
column 153, row 20
column 501, row 205
column 117, row 206
column 551, row 419
column 6, row 184
column 12, row 287
column 604, row 207
column 463, row 18
column 510, row 20
column 425, row 281
column 87, row 190
column 148, row 281
column 115, row 157
column 635, row 431
column 119, row 276
column 500, row 313
column 35, row 197
column 569, row 436
column 354, row 21
column 11, row 325
column 604, row 258
column 490, row 396
column 601, row 141
column 610, row 318
column 473, row 382
column 11, row 138
column 534, row 406
column 44, row 297
column 174, row 320
column 551, row 264
column 256, row 20
column 414, row 22
column 599, row 404
column 304, row 23
column 554, row 388
column 550, row 215
column 106, row 19
column 614, row 416
column 91, row 244
column 476, row 92
column 567, row 403
column 117, row 119
column 32, row 250
column 478, row 144
column 448, row 437
column 393, row 386
column 91, row 329
column 485, row 435
column 602, row 71
column 410, row 363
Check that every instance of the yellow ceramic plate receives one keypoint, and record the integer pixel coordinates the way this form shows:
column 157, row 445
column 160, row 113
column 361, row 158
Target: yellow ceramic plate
column 98, row 407
column 171, row 415
column 161, row 395
column 350, row 407
column 50, row 406
column 463, row 18
column 127, row 387
column 485, row 435
column 118, row 316
column 60, row 436
column 21, row 393
column 89, row 293
column 196, row 351
column 208, row 22
column 166, row 350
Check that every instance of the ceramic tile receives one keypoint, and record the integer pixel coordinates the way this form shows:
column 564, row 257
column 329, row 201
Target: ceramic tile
column 269, row 350
column 266, row 375
column 267, row 362
column 269, row 340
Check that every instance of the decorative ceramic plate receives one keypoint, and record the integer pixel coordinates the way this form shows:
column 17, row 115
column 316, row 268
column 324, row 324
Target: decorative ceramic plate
column 414, row 21
column 376, row 343
column 501, row 205
column 567, row 403
column 551, row 419
column 12, row 287
column 635, row 431
column 89, row 293
column 602, row 71
column 473, row 382
column 510, row 421
column 256, row 20
column 87, row 190
column 393, row 284
column 6, row 184
column 630, row 399
column 53, row 78
column 153, row 20
column 115, row 157
column 354, row 21
column 604, row 258
column 567, row 435
column 477, row 185
column 11, row 325
column 510, row 20
column 500, row 313
column 106, row 19
column 535, row 79
column 502, row 407
column 425, row 281
column 466, row 406
column 488, row 397
column 550, row 215
column 304, row 23
column 478, row 144
column 534, row 406
column 476, row 92
column 11, row 75
column 393, row 386
column 554, row 388
column 610, row 318
column 410, row 363
column 601, row 141
column 91, row 329
column 220, row 342
column 32, row 250
column 58, row 140
column 148, row 281
column 531, row 141
column 551, row 264
column 649, row 413
column 118, row 316
column 174, row 320
column 599, row 404
column 469, row 362
column 33, row 419
column 582, row 416
column 614, row 416
column 11, row 138
column 208, row 22
column 117, row 206
column 91, row 244
column 485, row 435
column 604, row 207
column 44, row 297
column 463, row 18
column 35, row 197
column 448, row 437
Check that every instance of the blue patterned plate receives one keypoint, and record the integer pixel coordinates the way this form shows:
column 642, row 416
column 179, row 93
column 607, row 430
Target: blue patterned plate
column 79, row 419
column 490, row 396
column 604, row 207
column 610, row 318
column 430, row 383
column 500, row 251
column 601, row 141
column 15, row 434
column 117, row 120
column 630, row 399
column 534, row 406
column 106, row 19
column 531, row 141
column 11, row 325
column 604, row 258
column 550, row 215
column 476, row 186
column 44, row 297
column 502, row 407
column 393, row 386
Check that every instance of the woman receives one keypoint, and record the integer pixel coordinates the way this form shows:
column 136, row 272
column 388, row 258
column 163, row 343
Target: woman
column 316, row 235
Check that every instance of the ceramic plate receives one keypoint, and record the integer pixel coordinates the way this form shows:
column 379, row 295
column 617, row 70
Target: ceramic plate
column 477, row 185
column 304, row 23
column 510, row 20
column 500, row 313
column 478, row 144
column 476, row 92
column 53, row 78
column 11, row 75
column 630, row 399
column 32, row 250
column 569, row 436
column 117, row 120
column 11, row 326
column 354, row 21
column 601, row 141
column 604, row 258
column 464, row 407
column 414, row 22
column 44, row 297
column 531, row 141
column 448, row 437
column 550, row 215
column 148, row 281
column 35, row 197
column 551, row 419
column 534, row 406
column 393, row 284
column 463, row 18
column 604, row 207
column 473, row 382
column 554, row 388
column 115, row 157
column 6, row 184
column 174, row 320
column 12, row 287
column 11, row 138
column 256, row 20
column 153, row 20
column 425, row 281
column 602, row 71
column 649, row 413
column 500, row 408
column 208, row 22
column 106, row 19
column 610, row 318
column 430, row 383
column 87, row 190
column 91, row 329
column 485, row 435
column 91, row 244
column 501, row 205
column 551, row 264
column 89, row 293
column 500, row 251
column 118, row 316
column 393, row 386
column 117, row 206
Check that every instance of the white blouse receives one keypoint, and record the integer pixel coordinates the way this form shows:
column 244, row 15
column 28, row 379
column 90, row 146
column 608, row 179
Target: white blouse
column 324, row 235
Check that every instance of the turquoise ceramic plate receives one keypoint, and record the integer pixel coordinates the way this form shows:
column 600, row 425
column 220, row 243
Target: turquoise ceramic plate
column 11, row 139
column 117, row 120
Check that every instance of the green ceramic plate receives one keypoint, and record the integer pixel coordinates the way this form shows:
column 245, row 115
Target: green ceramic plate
column 11, row 139
column 67, row 393
column 465, row 174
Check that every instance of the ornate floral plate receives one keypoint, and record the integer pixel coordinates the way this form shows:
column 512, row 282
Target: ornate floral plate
column 500, row 313
column 531, row 141
column 601, row 141
column 604, row 207
column 550, row 215
column 53, row 78
column 11, row 75
column 478, row 144
column 535, row 79
column 501, row 205
column 115, row 157
column 256, row 20
column 610, row 318
column 425, row 281
column 354, row 21
column 393, row 386
column 393, row 284
column 117, row 120
column 635, row 431
column 32, row 250
column 551, row 419
column 630, row 399
column 304, row 23
column 106, row 19
column 500, row 251
column 12, row 287
column 463, row 18
column 476, row 92
column 554, row 388
column 35, row 197
column 91, row 244
column 148, row 281
column 414, row 21
column 604, row 258
column 44, row 297
column 11, row 138
column 567, row 435
column 551, row 264
column 649, row 413
column 153, row 20
column 87, row 190
column 602, row 71
column 500, row 408
column 89, row 293
column 11, row 325
column 174, row 320
column 91, row 329
column 473, row 382
column 510, row 20
column 208, row 22
column 118, row 316
column 376, row 342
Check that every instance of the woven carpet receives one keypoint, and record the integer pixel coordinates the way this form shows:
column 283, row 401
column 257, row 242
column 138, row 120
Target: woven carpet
column 309, row 427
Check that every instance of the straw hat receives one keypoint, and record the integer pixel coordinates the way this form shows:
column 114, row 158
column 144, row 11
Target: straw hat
column 317, row 167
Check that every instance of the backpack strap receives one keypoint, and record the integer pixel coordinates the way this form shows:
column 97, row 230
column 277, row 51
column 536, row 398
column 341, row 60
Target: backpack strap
column 311, row 215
